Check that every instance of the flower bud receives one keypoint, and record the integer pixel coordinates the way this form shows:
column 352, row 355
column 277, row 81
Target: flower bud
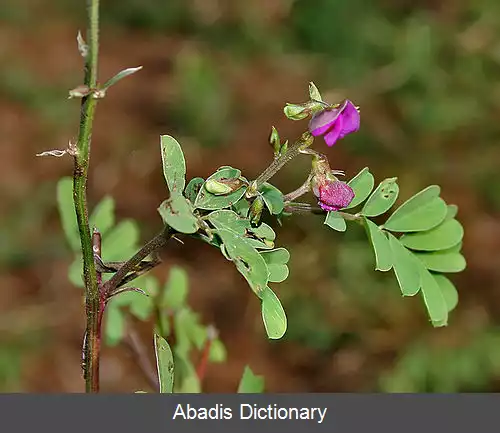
column 314, row 92
column 301, row 111
column 274, row 139
column 256, row 210
column 296, row 112
column 332, row 193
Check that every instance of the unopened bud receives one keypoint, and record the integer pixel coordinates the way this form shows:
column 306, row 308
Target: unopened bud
column 301, row 111
column 314, row 92
column 296, row 112
column 274, row 139
column 256, row 210
column 284, row 147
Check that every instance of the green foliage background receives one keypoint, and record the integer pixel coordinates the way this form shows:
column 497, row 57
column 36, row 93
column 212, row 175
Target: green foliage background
column 216, row 75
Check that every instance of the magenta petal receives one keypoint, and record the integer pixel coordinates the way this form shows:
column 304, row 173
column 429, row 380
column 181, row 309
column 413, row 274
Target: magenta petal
column 323, row 121
column 332, row 136
column 350, row 119
column 336, row 194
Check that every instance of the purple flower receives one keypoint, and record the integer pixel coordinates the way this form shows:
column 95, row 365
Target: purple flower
column 335, row 123
column 333, row 194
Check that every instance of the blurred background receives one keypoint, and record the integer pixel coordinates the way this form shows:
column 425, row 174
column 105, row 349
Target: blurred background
column 216, row 76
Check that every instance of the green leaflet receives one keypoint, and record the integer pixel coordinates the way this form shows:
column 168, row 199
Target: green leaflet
column 247, row 259
column 405, row 267
column 273, row 198
column 174, row 165
column 103, row 216
column 362, row 185
column 433, row 298
column 206, row 200
column 164, row 364
column 443, row 261
column 446, row 235
column 261, row 237
column 382, row 199
column 273, row 315
column 177, row 212
column 424, row 211
column 335, row 221
column 193, row 188
column 250, row 383
column 448, row 290
column 276, row 261
column 175, row 292
column 67, row 212
column 380, row 245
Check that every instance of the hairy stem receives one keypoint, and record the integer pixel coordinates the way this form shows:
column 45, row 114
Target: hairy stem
column 82, row 156
column 300, row 191
column 295, row 149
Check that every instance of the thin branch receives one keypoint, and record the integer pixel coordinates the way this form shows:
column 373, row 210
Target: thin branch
column 300, row 191
column 295, row 149
column 135, row 345
column 159, row 241
column 82, row 156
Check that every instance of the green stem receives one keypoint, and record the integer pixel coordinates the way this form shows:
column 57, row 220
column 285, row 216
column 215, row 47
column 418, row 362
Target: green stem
column 82, row 156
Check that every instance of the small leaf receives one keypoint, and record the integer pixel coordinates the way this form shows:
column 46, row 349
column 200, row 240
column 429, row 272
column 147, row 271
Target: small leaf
column 218, row 352
column 190, row 385
column 176, row 290
column 273, row 315
column 314, row 92
column 448, row 290
column 174, row 165
column 424, row 211
column 140, row 306
column 382, row 198
column 276, row 261
column 177, row 212
column 433, row 298
column 250, row 383
column 164, row 364
column 121, row 241
column 452, row 210
column 261, row 237
column 362, row 185
column 103, row 216
column 380, row 245
column 120, row 76
column 273, row 198
column 193, row 188
column 206, row 200
column 75, row 272
column 446, row 235
column 279, row 256
column 67, row 212
column 335, row 221
column 443, row 261
column 405, row 267
column 242, row 208
column 114, row 325
column 246, row 259
column 189, row 329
